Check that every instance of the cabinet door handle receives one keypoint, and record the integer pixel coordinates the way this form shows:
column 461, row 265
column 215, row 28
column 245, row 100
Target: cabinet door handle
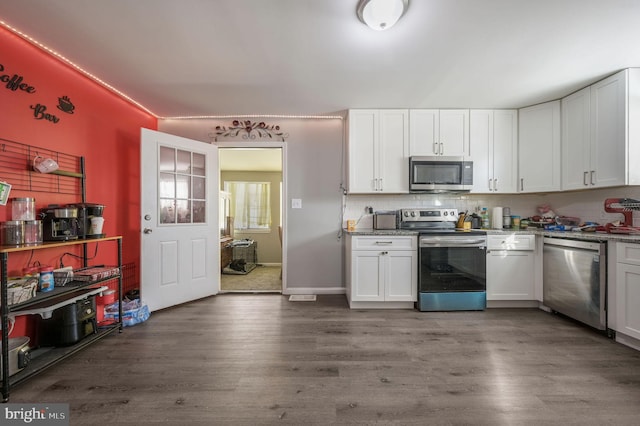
column 490, row 184
column 521, row 184
column 441, row 148
column 584, row 178
column 495, row 184
column 593, row 172
column 435, row 148
column 380, row 187
column 384, row 243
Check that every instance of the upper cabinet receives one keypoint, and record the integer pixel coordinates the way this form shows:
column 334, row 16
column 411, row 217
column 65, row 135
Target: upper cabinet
column 599, row 138
column 539, row 148
column 439, row 132
column 493, row 150
column 378, row 151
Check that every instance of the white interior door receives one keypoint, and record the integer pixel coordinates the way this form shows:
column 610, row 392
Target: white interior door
column 180, row 249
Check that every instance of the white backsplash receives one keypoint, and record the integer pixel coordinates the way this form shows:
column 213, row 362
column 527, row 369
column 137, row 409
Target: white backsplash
column 588, row 205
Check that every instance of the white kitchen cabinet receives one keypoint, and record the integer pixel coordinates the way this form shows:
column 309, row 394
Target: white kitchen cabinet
column 382, row 271
column 439, row 132
column 627, row 292
column 511, row 266
column 378, row 159
column 493, row 150
column 600, row 139
column 539, row 148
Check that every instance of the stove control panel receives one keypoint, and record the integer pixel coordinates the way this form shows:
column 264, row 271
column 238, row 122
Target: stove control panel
column 429, row 215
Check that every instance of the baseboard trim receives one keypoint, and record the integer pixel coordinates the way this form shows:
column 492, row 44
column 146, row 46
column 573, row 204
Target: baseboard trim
column 314, row 290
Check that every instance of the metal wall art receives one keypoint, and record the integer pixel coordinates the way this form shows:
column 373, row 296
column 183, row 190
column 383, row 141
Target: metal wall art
column 17, row 83
column 251, row 130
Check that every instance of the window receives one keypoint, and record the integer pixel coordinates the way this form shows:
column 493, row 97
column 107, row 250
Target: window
column 250, row 205
column 182, row 186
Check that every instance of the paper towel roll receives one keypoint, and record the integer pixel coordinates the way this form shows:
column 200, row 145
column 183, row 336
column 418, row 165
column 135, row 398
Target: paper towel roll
column 496, row 218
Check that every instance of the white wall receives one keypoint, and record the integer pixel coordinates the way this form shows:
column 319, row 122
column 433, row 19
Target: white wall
column 314, row 165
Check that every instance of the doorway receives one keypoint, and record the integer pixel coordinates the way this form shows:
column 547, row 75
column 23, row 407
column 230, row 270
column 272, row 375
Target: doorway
column 252, row 218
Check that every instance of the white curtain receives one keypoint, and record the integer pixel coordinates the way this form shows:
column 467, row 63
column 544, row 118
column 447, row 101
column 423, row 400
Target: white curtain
column 250, row 206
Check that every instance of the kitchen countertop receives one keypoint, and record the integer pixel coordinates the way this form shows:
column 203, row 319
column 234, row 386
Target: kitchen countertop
column 585, row 236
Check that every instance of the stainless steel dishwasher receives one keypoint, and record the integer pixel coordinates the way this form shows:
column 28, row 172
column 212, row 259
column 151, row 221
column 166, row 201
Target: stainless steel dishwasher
column 575, row 279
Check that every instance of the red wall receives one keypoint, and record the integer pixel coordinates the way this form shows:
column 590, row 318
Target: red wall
column 104, row 128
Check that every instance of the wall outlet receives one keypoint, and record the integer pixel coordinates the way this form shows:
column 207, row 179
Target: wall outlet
column 296, row 203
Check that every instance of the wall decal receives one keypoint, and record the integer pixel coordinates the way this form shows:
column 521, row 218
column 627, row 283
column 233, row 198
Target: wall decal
column 39, row 113
column 15, row 82
column 65, row 104
column 252, row 130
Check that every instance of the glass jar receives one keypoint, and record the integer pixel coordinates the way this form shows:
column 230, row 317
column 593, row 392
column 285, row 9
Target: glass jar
column 13, row 233
column 515, row 222
column 23, row 209
column 32, row 232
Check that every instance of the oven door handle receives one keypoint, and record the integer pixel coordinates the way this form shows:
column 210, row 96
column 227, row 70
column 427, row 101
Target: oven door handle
column 452, row 242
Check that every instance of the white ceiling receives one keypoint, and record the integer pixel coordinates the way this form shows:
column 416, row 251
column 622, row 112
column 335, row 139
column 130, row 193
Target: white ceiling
column 310, row 57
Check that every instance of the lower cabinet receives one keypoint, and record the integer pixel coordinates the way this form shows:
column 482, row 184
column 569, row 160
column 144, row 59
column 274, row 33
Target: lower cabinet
column 628, row 292
column 382, row 271
column 511, row 267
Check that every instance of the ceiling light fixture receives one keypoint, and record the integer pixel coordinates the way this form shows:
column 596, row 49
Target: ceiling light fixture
column 381, row 14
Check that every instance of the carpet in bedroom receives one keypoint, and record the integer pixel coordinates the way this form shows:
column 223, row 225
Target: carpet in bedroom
column 261, row 279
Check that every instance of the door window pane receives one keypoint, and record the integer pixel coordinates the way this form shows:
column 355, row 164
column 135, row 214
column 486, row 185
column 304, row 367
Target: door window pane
column 183, row 164
column 182, row 186
column 199, row 168
column 167, row 159
column 183, row 208
column 199, row 211
column 167, row 185
column 199, row 188
column 167, row 211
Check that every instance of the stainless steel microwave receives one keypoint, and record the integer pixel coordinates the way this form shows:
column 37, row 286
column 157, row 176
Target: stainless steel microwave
column 440, row 174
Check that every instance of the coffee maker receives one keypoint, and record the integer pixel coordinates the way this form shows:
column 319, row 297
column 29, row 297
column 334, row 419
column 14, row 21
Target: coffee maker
column 59, row 223
column 86, row 212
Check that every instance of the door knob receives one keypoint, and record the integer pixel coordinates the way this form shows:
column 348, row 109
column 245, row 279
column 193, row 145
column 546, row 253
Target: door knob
column 147, row 230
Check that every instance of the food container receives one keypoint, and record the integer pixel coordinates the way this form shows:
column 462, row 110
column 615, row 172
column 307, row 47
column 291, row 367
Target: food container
column 46, row 282
column 32, row 232
column 515, row 222
column 13, row 233
column 19, row 355
column 23, row 209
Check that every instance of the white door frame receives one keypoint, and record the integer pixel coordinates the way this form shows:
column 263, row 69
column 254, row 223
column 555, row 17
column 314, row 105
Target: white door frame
column 283, row 207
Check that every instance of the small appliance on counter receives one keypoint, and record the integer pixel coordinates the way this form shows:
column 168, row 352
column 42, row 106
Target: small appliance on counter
column 89, row 216
column 59, row 223
column 385, row 219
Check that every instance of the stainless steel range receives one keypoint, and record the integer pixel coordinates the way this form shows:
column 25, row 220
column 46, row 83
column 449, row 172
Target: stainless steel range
column 451, row 262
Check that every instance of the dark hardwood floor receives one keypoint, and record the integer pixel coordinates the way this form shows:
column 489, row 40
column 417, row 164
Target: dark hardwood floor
column 255, row 359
